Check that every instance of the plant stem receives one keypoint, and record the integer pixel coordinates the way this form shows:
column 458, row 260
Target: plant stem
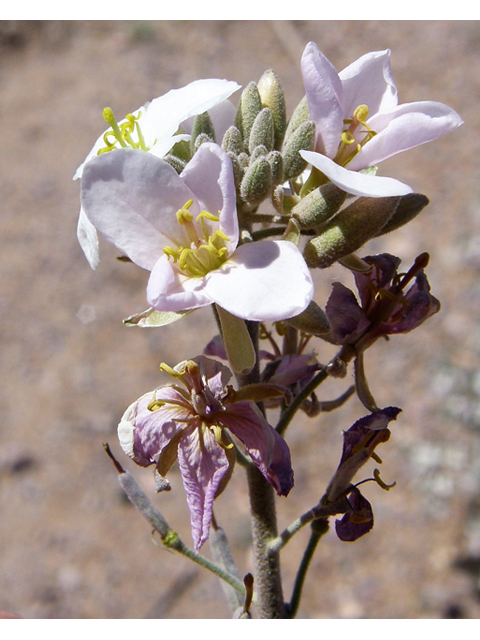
column 319, row 528
column 268, row 580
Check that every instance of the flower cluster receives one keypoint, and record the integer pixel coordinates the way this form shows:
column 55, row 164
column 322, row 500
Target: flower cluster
column 233, row 207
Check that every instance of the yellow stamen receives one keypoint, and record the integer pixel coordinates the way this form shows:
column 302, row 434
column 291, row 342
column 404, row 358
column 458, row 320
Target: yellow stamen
column 203, row 254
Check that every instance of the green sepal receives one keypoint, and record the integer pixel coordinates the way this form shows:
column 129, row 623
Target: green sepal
column 237, row 341
column 408, row 208
column 349, row 230
column 318, row 206
column 312, row 321
column 153, row 318
column 258, row 392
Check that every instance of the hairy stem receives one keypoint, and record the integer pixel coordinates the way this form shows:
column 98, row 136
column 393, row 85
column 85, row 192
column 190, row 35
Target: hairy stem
column 268, row 580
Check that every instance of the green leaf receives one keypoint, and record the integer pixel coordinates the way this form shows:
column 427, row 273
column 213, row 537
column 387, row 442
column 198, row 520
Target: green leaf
column 153, row 318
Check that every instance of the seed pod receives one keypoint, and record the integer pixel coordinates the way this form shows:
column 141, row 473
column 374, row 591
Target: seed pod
column 272, row 96
column 349, row 230
column 318, row 206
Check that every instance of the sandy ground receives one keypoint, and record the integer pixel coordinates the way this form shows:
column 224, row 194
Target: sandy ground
column 71, row 546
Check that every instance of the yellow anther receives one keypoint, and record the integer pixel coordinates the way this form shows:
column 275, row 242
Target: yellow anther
column 379, row 481
column 361, row 114
column 171, row 372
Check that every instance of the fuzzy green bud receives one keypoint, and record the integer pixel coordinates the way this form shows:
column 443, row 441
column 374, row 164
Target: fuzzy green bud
column 232, row 141
column 276, row 162
column 300, row 115
column 202, row 125
column 318, row 206
column 262, row 132
column 257, row 181
column 178, row 164
column 349, row 230
column 248, row 109
column 272, row 96
column 313, row 320
column 408, row 208
column 302, row 139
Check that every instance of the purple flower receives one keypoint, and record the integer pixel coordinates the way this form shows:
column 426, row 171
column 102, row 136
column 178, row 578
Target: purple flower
column 385, row 309
column 359, row 443
column 359, row 122
column 192, row 422
column 184, row 229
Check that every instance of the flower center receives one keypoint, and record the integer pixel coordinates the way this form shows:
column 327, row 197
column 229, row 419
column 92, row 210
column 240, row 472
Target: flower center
column 120, row 135
column 205, row 251
column 351, row 139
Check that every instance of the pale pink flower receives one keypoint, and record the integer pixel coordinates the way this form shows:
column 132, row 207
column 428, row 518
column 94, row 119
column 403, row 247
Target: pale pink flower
column 192, row 421
column 184, row 229
column 359, row 122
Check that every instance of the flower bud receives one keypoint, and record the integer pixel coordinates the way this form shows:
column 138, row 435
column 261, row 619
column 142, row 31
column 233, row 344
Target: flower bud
column 313, row 320
column 408, row 208
column 300, row 115
column 248, row 109
column 302, row 139
column 276, row 163
column 271, row 95
column 202, row 125
column 257, row 181
column 349, row 230
column 262, row 132
column 318, row 206
column 232, row 141
column 178, row 164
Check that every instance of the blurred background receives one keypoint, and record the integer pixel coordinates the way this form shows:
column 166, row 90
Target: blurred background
column 70, row 545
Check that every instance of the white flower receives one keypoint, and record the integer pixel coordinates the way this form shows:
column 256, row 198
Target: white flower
column 184, row 229
column 152, row 128
column 359, row 122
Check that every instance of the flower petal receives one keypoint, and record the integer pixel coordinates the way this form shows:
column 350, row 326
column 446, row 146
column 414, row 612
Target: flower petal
column 163, row 115
column 88, row 239
column 356, row 522
column 209, row 175
column 131, row 197
column 405, row 127
column 359, row 184
column 268, row 450
column 169, row 290
column 368, row 81
column 262, row 281
column 143, row 433
column 324, row 92
column 203, row 464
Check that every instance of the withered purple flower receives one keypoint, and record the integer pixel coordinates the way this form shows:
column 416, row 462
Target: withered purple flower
column 192, row 422
column 385, row 308
column 359, row 443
